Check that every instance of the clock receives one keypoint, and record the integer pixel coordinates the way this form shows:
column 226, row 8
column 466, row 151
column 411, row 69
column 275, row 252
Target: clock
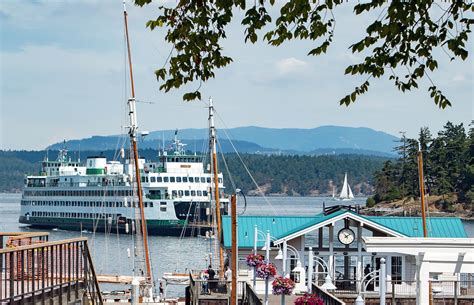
column 346, row 236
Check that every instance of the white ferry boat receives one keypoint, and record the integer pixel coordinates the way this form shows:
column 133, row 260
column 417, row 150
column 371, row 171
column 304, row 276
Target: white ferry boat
column 99, row 195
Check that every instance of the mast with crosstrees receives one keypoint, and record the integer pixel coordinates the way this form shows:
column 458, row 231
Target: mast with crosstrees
column 134, row 158
column 212, row 138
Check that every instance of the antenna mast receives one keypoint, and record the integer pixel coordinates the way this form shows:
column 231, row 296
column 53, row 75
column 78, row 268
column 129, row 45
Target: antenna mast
column 133, row 141
column 212, row 143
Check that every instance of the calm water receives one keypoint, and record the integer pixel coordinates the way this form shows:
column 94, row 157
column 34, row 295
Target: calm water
column 168, row 253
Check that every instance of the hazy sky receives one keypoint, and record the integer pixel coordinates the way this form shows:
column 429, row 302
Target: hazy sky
column 62, row 77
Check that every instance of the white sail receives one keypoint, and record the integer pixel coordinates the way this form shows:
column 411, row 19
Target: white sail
column 346, row 192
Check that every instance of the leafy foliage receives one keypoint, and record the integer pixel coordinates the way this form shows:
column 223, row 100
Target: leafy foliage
column 405, row 37
column 447, row 164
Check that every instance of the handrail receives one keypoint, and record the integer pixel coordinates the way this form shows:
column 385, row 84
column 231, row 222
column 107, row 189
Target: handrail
column 24, row 234
column 43, row 245
column 327, row 298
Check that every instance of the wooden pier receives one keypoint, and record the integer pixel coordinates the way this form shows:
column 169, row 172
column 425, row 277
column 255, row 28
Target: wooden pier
column 37, row 271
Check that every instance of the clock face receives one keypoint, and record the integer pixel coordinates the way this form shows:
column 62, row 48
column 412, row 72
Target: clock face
column 346, row 236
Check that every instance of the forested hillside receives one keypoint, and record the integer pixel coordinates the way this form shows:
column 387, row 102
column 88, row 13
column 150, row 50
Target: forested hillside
column 448, row 160
column 289, row 175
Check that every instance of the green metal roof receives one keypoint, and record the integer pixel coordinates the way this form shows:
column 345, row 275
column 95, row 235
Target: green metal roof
column 281, row 226
column 413, row 226
column 277, row 225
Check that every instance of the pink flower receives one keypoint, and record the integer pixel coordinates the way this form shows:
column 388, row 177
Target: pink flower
column 283, row 286
column 309, row 299
column 265, row 270
column 254, row 260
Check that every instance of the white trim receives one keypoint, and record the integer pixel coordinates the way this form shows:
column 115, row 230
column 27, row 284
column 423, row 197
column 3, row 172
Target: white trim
column 333, row 220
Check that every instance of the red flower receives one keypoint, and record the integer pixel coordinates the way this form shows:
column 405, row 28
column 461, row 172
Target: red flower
column 283, row 286
column 309, row 299
column 265, row 270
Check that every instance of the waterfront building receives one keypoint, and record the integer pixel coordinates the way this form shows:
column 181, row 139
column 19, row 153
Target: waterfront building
column 345, row 249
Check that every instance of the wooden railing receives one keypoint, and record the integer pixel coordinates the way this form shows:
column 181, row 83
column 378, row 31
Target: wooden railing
column 250, row 297
column 45, row 270
column 327, row 298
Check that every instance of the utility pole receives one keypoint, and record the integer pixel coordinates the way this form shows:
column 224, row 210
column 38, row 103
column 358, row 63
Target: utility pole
column 422, row 190
column 403, row 133
column 233, row 289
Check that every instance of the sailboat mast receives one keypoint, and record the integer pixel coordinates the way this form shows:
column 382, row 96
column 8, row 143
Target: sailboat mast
column 422, row 191
column 133, row 141
column 212, row 131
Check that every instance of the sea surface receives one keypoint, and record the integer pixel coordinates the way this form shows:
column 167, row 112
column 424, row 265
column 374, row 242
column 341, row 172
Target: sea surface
column 168, row 254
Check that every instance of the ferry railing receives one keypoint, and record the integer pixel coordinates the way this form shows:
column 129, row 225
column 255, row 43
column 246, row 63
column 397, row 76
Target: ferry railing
column 47, row 270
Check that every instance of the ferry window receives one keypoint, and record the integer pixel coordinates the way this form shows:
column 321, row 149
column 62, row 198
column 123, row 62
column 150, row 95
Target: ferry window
column 203, row 179
column 143, row 179
column 186, row 193
column 166, row 179
column 180, row 193
column 178, row 179
column 162, row 206
column 152, row 179
column 204, row 193
column 151, row 204
column 172, row 179
column 146, row 204
column 220, row 180
column 159, row 179
column 397, row 269
column 199, row 193
column 193, row 193
column 191, row 179
column 173, row 193
column 185, row 179
column 208, row 180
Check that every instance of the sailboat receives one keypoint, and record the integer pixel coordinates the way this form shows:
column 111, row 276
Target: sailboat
column 346, row 193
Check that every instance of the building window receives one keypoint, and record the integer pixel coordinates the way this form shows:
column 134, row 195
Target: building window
column 397, row 269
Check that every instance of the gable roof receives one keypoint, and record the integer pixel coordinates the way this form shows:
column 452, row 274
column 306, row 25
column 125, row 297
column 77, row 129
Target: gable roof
column 440, row 227
column 289, row 227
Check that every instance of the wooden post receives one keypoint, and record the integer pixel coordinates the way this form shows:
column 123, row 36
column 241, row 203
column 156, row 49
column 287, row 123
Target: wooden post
column 422, row 192
column 233, row 291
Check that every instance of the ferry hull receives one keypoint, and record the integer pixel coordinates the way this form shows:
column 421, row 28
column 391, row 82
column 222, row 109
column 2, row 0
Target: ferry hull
column 155, row 227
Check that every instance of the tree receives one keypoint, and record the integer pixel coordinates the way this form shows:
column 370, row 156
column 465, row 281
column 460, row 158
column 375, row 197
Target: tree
column 405, row 36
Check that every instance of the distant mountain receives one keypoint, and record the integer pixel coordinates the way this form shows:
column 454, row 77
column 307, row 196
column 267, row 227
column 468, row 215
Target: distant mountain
column 251, row 139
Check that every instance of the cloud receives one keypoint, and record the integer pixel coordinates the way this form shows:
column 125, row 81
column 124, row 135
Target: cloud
column 292, row 65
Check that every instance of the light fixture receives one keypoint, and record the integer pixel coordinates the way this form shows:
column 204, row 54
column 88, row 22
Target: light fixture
column 298, row 267
column 279, row 255
column 328, row 285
